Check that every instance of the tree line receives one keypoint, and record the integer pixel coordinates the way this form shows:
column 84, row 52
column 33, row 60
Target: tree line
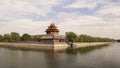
column 72, row 37
column 15, row 37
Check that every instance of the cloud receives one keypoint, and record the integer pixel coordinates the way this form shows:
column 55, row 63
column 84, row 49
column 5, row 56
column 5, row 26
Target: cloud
column 18, row 15
column 112, row 10
column 110, row 13
column 76, row 20
column 81, row 4
column 90, row 4
column 21, row 8
column 101, row 18
column 105, row 21
column 25, row 26
column 88, row 24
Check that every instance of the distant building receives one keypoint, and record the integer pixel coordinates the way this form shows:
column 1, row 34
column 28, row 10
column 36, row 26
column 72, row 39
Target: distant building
column 51, row 35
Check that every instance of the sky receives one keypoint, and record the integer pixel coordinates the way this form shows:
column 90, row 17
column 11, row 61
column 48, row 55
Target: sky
column 99, row 18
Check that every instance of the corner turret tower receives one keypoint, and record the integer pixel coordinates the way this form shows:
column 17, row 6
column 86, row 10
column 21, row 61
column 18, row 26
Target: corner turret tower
column 52, row 29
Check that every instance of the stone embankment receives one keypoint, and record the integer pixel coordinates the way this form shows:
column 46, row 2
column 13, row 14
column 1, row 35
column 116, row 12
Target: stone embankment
column 36, row 46
column 52, row 47
column 78, row 45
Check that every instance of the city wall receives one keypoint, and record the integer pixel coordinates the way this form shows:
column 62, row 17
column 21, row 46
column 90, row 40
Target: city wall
column 51, row 47
column 78, row 45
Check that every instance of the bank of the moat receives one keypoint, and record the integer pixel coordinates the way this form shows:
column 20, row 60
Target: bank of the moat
column 51, row 47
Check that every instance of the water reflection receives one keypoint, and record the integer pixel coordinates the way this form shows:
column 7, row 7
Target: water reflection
column 88, row 57
column 85, row 50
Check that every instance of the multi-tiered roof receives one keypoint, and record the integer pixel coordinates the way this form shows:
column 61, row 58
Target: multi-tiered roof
column 52, row 29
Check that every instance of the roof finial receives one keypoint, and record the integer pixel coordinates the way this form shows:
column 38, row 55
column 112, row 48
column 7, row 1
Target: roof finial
column 52, row 23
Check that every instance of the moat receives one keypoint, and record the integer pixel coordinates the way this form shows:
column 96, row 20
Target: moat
column 88, row 57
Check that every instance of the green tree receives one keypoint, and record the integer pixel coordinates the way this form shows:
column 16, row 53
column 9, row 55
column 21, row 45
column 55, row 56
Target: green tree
column 1, row 38
column 35, row 39
column 71, row 36
column 15, row 36
column 26, row 37
column 83, row 38
column 87, row 38
column 7, row 38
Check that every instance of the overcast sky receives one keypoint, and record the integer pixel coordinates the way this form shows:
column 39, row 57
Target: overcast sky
column 93, row 17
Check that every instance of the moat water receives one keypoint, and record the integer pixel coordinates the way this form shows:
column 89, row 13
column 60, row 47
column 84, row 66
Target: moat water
column 89, row 57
